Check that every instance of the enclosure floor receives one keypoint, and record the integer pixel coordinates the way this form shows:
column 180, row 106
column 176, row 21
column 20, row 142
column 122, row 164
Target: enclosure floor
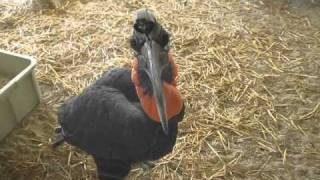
column 249, row 73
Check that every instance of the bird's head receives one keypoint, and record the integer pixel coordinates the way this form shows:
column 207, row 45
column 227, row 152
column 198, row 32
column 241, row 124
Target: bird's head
column 151, row 45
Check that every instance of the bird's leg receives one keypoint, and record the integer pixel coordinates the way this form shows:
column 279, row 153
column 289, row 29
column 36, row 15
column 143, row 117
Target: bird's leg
column 58, row 129
column 58, row 138
column 146, row 165
column 112, row 169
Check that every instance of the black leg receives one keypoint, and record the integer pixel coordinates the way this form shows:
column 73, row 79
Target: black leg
column 146, row 165
column 112, row 169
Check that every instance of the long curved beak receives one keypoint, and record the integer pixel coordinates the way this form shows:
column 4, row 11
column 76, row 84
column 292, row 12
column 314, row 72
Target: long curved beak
column 154, row 72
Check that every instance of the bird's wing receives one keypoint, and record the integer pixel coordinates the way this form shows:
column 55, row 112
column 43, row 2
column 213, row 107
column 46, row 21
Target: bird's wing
column 102, row 121
column 119, row 78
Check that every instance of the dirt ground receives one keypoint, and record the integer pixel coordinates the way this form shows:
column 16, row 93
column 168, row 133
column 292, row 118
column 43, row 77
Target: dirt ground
column 249, row 74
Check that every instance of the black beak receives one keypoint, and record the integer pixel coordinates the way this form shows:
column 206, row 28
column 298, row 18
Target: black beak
column 149, row 31
column 154, row 71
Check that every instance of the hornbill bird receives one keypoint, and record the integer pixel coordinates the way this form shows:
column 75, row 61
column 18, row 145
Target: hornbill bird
column 128, row 115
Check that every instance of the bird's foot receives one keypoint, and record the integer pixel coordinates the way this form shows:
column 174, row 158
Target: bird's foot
column 58, row 137
column 58, row 129
column 146, row 165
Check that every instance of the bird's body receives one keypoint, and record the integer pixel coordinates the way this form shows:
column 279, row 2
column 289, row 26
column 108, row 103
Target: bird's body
column 116, row 119
column 107, row 121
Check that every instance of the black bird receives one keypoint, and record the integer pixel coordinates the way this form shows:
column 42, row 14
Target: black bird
column 128, row 116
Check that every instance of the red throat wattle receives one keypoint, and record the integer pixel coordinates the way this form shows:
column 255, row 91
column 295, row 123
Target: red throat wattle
column 172, row 96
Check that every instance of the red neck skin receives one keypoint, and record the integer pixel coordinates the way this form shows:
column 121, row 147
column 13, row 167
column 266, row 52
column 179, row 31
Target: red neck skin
column 174, row 101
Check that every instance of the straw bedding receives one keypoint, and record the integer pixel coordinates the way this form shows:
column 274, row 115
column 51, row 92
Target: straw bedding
column 249, row 74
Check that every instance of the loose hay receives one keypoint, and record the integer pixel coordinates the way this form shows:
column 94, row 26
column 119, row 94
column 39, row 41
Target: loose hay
column 250, row 80
column 43, row 4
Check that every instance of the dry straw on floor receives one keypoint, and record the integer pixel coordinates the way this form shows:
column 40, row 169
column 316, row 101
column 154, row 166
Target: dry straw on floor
column 249, row 77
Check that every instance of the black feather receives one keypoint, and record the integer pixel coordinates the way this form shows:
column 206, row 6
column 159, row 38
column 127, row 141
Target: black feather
column 107, row 121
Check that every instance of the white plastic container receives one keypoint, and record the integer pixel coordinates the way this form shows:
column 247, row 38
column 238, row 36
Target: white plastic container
column 20, row 95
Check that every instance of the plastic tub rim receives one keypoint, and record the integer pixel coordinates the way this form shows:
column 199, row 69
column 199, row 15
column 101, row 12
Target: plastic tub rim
column 21, row 74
